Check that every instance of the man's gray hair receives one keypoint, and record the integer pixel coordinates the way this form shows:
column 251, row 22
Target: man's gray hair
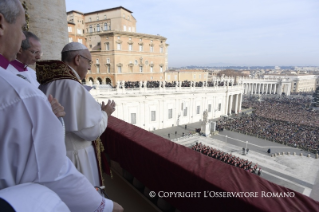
column 10, row 10
column 69, row 55
column 26, row 43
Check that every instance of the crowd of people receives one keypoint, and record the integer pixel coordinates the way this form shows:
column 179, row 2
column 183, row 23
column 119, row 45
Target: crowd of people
column 294, row 110
column 170, row 84
column 153, row 84
column 132, row 84
column 227, row 158
column 302, row 93
column 157, row 84
column 288, row 121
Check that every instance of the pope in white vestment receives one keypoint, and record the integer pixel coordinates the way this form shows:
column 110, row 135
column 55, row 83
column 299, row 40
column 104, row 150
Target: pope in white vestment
column 84, row 122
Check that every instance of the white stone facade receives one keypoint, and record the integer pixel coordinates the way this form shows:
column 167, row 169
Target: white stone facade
column 266, row 86
column 157, row 108
column 299, row 83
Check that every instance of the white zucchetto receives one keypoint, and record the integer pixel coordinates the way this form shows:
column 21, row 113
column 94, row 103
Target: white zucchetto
column 73, row 46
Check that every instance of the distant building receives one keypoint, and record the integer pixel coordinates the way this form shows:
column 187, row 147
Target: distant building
column 76, row 27
column 188, row 75
column 163, row 107
column 245, row 72
column 118, row 52
column 299, row 82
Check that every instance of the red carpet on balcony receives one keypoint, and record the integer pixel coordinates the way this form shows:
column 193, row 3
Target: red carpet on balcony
column 162, row 165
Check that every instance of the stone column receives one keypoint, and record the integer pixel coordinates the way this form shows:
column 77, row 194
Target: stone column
column 48, row 21
column 236, row 104
column 145, row 86
column 240, row 101
column 123, row 85
column 275, row 88
column 280, row 89
column 267, row 88
column 259, row 88
column 230, row 104
column 226, row 103
column 288, row 90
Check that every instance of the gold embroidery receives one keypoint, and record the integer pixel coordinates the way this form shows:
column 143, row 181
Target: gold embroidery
column 50, row 70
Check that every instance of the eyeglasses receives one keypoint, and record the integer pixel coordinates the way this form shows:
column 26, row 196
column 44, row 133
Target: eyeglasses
column 36, row 53
column 90, row 61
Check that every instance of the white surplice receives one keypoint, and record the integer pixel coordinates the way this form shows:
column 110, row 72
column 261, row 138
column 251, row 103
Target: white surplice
column 84, row 122
column 33, row 197
column 30, row 74
column 32, row 147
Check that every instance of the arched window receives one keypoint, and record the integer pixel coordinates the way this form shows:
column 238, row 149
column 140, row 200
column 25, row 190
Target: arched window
column 108, row 81
column 105, row 26
column 98, row 27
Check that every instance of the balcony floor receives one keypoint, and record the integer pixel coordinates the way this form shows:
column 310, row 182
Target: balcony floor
column 122, row 192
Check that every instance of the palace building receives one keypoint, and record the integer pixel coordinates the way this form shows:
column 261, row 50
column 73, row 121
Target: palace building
column 118, row 52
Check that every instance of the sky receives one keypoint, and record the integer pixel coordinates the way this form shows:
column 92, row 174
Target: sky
column 226, row 32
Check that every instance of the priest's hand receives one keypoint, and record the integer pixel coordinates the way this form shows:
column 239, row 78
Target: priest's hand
column 109, row 108
column 57, row 108
column 117, row 207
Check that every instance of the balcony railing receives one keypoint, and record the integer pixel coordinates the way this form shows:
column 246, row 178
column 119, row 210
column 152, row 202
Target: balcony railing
column 197, row 181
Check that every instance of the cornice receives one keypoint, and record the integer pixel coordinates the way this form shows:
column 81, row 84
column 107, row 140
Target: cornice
column 133, row 34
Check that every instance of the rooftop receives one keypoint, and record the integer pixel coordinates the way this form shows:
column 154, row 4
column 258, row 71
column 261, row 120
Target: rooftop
column 99, row 11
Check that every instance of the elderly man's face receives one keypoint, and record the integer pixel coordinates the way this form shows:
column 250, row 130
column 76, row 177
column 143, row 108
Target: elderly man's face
column 13, row 35
column 85, row 63
column 32, row 54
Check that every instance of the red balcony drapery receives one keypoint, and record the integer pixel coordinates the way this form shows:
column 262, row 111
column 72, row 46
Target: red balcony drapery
column 162, row 165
